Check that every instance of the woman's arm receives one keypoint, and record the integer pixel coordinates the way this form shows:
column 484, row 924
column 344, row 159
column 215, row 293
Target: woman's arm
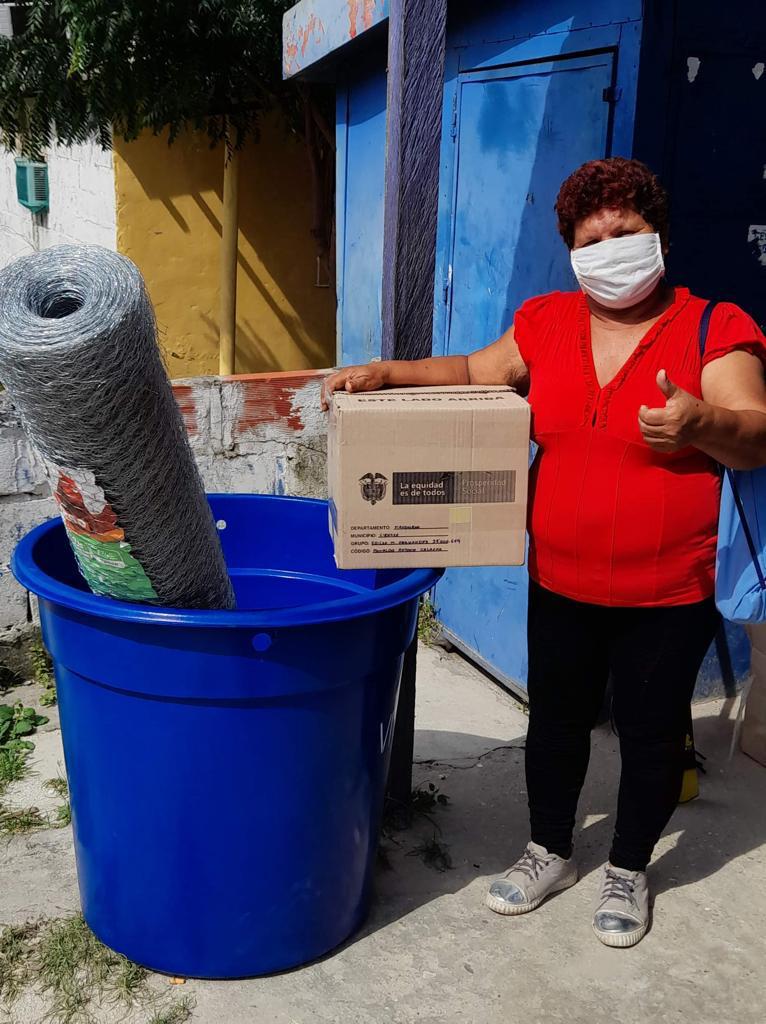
column 728, row 423
column 498, row 363
column 733, row 425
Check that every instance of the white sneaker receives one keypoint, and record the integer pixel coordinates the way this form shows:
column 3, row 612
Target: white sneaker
column 536, row 875
column 622, row 912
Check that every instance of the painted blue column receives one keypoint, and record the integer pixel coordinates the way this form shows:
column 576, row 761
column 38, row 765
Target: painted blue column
column 416, row 41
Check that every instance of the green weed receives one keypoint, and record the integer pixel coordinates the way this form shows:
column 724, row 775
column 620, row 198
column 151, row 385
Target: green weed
column 15, row 822
column 398, row 817
column 128, row 982
column 59, row 787
column 16, row 723
column 434, row 853
column 74, row 970
column 13, row 767
column 16, row 943
column 429, row 629
column 76, row 974
column 42, row 670
column 63, row 813
column 178, row 1013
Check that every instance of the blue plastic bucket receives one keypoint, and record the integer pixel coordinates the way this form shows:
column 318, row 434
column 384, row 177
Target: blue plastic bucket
column 227, row 769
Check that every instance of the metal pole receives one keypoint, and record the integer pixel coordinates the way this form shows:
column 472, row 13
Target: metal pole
column 229, row 250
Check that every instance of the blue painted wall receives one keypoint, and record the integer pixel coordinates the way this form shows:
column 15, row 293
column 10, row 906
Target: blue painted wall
column 360, row 150
column 511, row 130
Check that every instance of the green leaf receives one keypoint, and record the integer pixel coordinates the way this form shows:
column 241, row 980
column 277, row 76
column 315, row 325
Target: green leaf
column 81, row 66
column 75, row 63
column 18, row 745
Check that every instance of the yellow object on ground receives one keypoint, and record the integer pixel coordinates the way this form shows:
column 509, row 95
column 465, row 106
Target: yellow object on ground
column 690, row 787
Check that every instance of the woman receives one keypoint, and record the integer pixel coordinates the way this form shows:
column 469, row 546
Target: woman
column 630, row 422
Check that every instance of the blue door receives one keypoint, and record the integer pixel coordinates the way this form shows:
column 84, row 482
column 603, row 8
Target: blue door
column 361, row 143
column 518, row 132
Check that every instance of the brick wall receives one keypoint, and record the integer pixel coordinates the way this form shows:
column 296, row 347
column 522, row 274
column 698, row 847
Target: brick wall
column 261, row 434
column 82, row 203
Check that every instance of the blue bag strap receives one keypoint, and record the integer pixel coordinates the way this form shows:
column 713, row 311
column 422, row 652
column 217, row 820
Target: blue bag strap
column 707, row 312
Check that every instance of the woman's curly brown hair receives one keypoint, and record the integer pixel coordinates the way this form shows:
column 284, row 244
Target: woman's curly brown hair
column 613, row 184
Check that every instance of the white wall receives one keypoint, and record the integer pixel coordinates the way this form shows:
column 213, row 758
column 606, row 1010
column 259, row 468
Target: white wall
column 82, row 203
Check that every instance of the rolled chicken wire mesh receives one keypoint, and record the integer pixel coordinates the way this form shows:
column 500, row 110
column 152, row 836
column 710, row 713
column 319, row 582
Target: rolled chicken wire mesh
column 80, row 360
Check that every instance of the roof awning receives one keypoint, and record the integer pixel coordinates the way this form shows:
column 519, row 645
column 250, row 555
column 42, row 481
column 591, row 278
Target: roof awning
column 314, row 30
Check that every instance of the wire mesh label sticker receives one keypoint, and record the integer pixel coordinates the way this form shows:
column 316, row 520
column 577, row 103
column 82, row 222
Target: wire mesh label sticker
column 473, row 487
column 103, row 554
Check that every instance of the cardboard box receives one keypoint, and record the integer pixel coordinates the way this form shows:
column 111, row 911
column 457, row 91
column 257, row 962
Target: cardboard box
column 425, row 477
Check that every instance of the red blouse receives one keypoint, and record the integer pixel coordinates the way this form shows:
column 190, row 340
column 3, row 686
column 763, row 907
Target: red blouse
column 612, row 522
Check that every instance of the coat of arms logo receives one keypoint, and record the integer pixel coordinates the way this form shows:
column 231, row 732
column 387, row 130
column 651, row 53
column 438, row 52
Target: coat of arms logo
column 373, row 487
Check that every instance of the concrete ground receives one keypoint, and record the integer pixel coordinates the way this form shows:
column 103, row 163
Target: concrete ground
column 431, row 952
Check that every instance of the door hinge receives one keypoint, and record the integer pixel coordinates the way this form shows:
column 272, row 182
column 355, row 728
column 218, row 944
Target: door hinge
column 611, row 94
column 453, row 125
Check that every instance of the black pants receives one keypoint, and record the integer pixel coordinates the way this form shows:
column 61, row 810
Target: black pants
column 653, row 655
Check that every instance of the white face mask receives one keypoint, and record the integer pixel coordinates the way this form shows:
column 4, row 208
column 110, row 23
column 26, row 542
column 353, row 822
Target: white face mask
column 619, row 272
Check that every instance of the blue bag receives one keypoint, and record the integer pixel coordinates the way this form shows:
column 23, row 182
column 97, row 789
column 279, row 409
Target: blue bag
column 740, row 583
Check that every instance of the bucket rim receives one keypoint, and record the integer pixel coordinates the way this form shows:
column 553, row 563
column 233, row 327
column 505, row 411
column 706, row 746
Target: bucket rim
column 24, row 566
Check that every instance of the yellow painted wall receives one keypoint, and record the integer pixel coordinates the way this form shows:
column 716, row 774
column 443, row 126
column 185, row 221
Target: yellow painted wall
column 169, row 224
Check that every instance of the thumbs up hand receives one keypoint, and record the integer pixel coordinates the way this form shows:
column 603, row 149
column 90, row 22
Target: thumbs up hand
column 677, row 424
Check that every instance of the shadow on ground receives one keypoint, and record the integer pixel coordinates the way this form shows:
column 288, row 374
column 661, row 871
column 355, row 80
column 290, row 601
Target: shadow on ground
column 484, row 825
